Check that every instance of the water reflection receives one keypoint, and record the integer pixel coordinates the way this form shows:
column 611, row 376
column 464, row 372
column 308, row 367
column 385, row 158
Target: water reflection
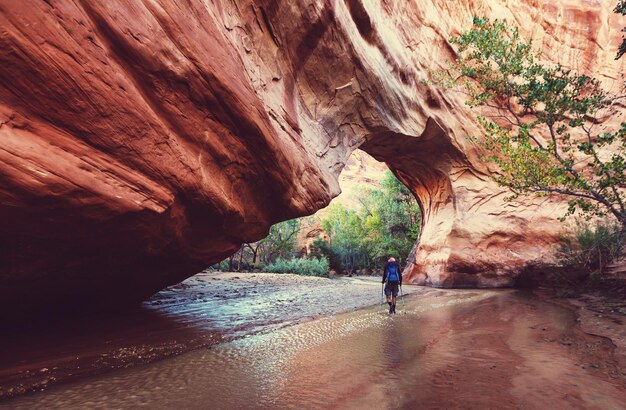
column 461, row 350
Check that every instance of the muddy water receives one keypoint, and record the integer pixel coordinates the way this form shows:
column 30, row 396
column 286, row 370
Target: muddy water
column 445, row 349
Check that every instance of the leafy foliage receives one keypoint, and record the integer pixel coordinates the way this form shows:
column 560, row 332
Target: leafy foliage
column 345, row 229
column 281, row 240
column 322, row 248
column 542, row 127
column 279, row 243
column 301, row 266
column 392, row 220
column 387, row 224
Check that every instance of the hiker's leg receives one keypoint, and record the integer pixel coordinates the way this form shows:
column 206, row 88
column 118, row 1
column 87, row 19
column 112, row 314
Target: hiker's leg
column 388, row 294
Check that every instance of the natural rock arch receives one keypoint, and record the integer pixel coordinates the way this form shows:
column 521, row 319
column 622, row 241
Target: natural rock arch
column 470, row 237
column 141, row 142
column 423, row 163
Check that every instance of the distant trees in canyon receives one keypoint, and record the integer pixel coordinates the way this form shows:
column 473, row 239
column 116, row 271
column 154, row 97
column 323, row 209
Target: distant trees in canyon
column 387, row 223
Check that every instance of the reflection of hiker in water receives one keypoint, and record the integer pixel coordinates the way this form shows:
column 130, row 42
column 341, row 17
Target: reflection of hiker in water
column 392, row 279
column 392, row 348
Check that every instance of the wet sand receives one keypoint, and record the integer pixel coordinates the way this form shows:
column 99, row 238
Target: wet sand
column 205, row 310
column 470, row 349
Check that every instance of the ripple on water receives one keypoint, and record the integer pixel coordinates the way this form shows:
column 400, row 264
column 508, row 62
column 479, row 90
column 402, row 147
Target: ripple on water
column 263, row 369
column 353, row 360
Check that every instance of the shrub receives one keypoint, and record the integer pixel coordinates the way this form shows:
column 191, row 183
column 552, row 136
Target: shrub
column 220, row 266
column 592, row 247
column 300, row 266
column 322, row 249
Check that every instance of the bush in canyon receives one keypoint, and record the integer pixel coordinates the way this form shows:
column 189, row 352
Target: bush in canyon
column 592, row 246
column 541, row 122
column 300, row 266
column 281, row 240
column 392, row 220
column 586, row 253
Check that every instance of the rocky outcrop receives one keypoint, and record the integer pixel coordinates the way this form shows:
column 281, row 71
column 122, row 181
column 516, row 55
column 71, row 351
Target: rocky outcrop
column 142, row 141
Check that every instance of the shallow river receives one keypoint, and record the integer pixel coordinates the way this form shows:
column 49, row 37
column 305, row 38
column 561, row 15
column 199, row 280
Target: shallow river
column 448, row 349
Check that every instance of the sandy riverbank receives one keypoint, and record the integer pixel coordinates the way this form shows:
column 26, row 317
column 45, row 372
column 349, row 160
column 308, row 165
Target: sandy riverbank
column 600, row 314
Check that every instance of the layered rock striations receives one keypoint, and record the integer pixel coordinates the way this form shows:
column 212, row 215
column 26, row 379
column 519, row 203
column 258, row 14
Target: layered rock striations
column 142, row 141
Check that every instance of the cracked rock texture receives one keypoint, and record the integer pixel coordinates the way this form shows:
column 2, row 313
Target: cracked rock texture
column 144, row 140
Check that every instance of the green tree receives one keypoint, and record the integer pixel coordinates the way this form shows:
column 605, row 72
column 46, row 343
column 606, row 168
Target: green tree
column 323, row 249
column 387, row 224
column 543, row 131
column 392, row 219
column 280, row 243
column 281, row 240
column 345, row 229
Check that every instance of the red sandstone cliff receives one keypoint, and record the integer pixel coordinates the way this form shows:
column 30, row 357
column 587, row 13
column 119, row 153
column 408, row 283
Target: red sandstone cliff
column 143, row 141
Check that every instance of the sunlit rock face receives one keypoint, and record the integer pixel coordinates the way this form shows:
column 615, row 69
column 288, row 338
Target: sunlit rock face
column 142, row 141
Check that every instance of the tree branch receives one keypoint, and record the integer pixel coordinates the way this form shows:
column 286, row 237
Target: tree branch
column 606, row 174
column 543, row 188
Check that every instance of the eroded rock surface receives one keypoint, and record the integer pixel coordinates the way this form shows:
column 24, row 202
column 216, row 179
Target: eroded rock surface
column 142, row 141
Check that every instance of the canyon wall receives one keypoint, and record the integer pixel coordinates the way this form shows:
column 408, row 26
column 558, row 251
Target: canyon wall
column 144, row 140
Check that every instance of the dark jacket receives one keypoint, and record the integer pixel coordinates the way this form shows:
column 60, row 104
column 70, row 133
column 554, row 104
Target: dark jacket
column 387, row 268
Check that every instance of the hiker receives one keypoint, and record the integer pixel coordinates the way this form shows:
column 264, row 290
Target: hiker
column 392, row 278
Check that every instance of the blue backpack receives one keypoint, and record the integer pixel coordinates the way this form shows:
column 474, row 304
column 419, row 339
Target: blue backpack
column 392, row 273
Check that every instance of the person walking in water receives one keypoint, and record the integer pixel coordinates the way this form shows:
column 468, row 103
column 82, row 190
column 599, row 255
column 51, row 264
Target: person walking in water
column 392, row 278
